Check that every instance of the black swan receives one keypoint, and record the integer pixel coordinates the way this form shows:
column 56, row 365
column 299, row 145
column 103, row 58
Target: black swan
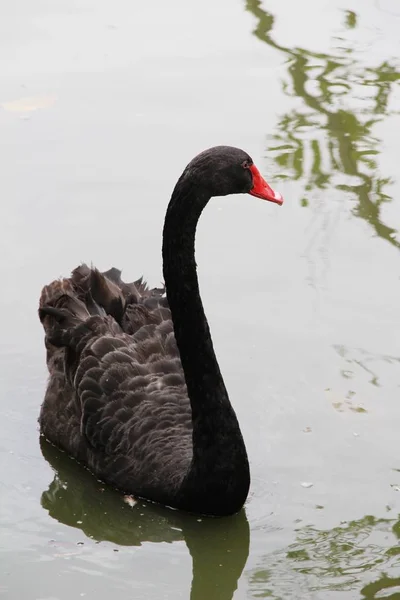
column 135, row 391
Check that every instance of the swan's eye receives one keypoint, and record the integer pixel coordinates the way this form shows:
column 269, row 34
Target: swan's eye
column 246, row 164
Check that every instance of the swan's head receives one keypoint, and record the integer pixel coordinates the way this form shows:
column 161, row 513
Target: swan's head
column 224, row 170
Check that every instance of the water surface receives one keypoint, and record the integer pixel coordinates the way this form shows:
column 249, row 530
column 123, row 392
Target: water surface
column 102, row 105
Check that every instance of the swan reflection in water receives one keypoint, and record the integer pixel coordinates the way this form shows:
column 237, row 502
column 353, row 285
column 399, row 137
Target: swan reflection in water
column 219, row 547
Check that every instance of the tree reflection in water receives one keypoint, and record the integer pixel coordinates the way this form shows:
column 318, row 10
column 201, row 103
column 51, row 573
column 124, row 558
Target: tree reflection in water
column 324, row 143
column 328, row 143
column 319, row 562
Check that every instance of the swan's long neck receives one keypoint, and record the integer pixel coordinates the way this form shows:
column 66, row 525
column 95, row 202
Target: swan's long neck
column 204, row 381
column 219, row 454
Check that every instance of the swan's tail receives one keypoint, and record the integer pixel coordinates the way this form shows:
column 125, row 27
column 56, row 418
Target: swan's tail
column 110, row 292
column 95, row 291
column 66, row 303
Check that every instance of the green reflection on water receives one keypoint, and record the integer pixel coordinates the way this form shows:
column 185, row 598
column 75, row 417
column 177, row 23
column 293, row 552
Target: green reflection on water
column 336, row 560
column 219, row 547
column 327, row 142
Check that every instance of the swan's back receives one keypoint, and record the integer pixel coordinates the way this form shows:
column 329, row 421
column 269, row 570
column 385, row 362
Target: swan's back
column 116, row 398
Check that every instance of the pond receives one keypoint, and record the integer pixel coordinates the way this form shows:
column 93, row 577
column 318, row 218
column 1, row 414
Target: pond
column 102, row 105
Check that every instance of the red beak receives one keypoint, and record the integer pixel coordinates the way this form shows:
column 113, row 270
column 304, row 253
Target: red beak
column 261, row 189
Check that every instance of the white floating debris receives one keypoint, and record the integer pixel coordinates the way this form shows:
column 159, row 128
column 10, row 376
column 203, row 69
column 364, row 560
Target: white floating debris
column 306, row 484
column 130, row 500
